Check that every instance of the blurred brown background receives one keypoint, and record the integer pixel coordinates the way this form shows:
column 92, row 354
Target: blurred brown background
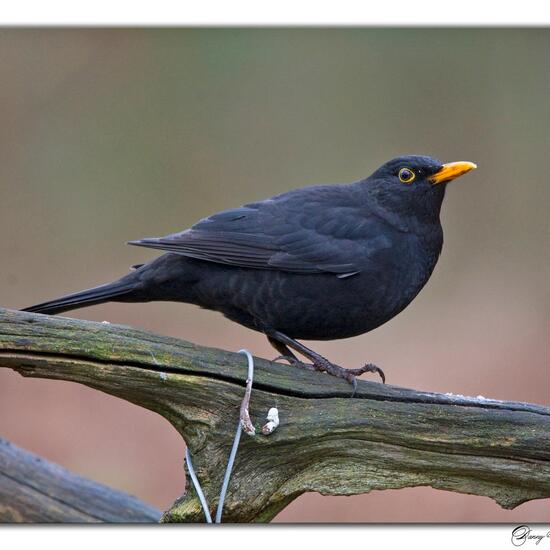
column 112, row 135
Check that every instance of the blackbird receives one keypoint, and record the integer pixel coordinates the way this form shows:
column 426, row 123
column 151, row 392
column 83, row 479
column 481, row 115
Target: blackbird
column 318, row 263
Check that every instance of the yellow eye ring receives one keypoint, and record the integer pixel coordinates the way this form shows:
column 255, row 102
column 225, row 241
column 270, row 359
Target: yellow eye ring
column 406, row 175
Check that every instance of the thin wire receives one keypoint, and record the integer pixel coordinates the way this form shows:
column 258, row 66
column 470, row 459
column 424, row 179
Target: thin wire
column 197, row 486
column 233, row 453
column 230, row 462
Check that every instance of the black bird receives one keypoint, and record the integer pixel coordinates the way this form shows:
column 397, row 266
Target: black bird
column 318, row 263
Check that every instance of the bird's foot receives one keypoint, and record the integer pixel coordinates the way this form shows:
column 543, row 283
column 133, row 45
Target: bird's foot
column 296, row 362
column 369, row 367
column 281, row 343
column 321, row 364
column 350, row 375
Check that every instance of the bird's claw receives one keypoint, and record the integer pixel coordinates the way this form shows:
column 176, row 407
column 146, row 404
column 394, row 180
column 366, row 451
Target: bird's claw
column 353, row 382
column 369, row 367
column 292, row 361
column 286, row 358
column 350, row 375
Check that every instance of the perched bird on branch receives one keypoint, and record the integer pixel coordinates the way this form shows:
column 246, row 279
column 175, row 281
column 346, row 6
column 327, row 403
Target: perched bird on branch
column 317, row 263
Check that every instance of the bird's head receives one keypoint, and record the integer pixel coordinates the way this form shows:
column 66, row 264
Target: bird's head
column 415, row 184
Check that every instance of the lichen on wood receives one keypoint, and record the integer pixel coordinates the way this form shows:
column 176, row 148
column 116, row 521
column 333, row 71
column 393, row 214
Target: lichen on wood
column 386, row 437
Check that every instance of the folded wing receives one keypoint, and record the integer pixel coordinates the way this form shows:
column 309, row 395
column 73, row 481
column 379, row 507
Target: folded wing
column 313, row 230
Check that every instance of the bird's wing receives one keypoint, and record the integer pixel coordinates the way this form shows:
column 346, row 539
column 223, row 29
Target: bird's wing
column 313, row 230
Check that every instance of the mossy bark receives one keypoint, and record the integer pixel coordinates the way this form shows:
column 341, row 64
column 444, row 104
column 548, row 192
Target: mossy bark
column 384, row 438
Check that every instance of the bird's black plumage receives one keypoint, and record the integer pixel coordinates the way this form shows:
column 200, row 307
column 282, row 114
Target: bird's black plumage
column 317, row 263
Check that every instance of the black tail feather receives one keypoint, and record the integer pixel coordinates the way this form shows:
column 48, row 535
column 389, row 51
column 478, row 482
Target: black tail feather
column 92, row 296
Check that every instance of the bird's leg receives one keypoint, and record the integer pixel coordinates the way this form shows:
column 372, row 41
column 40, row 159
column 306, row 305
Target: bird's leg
column 287, row 355
column 282, row 349
column 320, row 362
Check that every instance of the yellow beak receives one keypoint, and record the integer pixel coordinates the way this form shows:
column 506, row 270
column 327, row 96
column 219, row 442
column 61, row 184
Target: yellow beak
column 451, row 170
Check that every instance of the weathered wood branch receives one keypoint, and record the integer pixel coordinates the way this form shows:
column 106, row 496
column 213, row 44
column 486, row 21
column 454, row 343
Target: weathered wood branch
column 386, row 437
column 33, row 490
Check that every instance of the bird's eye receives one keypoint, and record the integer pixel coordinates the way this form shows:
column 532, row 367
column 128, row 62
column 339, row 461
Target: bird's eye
column 406, row 175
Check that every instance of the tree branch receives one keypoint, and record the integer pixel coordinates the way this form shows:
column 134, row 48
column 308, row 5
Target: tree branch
column 385, row 438
column 33, row 490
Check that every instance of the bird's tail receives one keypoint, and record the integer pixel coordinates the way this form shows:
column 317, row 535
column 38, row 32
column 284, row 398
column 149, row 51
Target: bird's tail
column 117, row 291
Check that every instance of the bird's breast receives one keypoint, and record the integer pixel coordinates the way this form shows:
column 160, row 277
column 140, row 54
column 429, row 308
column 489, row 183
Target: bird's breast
column 325, row 307
column 320, row 306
